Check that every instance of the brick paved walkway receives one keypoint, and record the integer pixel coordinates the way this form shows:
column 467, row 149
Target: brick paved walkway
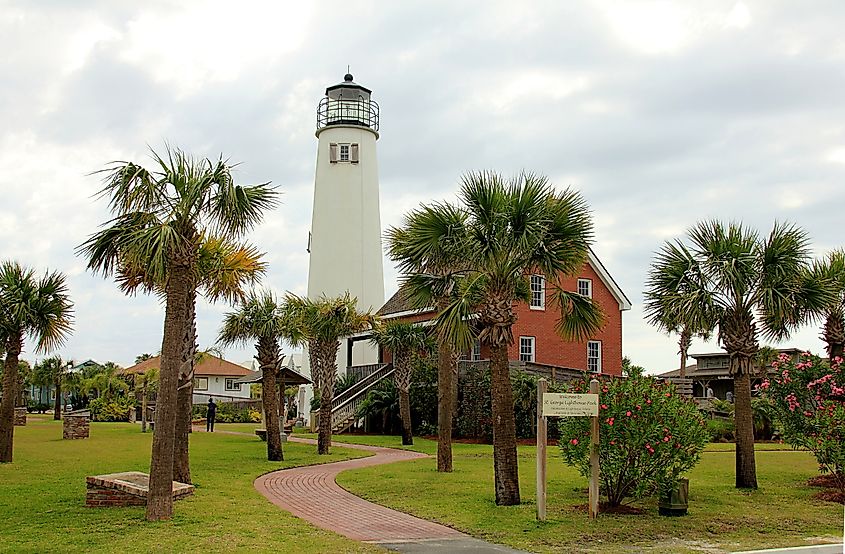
column 312, row 494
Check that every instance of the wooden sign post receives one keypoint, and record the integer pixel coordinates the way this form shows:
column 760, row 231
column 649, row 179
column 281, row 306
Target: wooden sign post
column 567, row 405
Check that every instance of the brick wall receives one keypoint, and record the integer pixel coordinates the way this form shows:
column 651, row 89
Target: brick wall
column 103, row 497
column 549, row 348
column 75, row 427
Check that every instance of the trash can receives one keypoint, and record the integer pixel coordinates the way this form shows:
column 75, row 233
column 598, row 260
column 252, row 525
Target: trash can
column 675, row 503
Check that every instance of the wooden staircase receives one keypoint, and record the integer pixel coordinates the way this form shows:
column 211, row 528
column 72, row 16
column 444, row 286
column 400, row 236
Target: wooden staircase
column 346, row 403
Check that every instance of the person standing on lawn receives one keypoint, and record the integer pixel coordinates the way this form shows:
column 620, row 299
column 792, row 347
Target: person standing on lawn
column 209, row 418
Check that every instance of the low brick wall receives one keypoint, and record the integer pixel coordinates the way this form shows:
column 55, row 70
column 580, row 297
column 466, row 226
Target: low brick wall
column 75, row 427
column 129, row 488
column 20, row 416
column 97, row 496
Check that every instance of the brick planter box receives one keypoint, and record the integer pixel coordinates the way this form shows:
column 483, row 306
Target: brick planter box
column 129, row 488
column 76, row 426
column 20, row 416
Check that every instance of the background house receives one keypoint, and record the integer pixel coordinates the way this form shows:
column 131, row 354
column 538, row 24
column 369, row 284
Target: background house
column 713, row 370
column 535, row 340
column 213, row 378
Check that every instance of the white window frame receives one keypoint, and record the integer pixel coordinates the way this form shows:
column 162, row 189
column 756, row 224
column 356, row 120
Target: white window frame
column 231, row 386
column 542, row 293
column 524, row 355
column 588, row 283
column 198, row 380
column 340, row 149
column 475, row 355
column 597, row 345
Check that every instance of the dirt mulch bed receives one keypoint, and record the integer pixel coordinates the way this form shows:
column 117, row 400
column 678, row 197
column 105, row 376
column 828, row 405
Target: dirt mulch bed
column 605, row 509
column 828, row 480
column 830, row 495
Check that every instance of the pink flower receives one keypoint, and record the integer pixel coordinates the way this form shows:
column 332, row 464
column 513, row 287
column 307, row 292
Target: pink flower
column 648, row 401
column 668, row 394
column 574, row 442
column 665, row 439
column 639, row 407
column 610, row 421
column 604, row 406
column 612, row 442
column 628, row 413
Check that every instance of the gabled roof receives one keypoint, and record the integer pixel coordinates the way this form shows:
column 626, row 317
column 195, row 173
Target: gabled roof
column 400, row 303
column 210, row 365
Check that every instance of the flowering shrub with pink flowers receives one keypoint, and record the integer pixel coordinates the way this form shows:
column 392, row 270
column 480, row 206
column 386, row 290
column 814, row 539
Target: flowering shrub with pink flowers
column 648, row 437
column 808, row 396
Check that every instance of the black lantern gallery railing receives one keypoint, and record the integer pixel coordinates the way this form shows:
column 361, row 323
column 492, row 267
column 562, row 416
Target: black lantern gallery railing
column 342, row 111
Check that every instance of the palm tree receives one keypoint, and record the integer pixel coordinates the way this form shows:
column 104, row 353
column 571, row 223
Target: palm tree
column 223, row 271
column 30, row 307
column 830, row 274
column 405, row 341
column 674, row 300
column 161, row 218
column 515, row 228
column 50, row 371
column 146, row 383
column 143, row 357
column 428, row 247
column 747, row 284
column 262, row 319
column 321, row 323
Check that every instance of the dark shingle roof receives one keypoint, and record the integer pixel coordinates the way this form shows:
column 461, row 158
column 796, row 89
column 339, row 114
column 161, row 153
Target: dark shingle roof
column 398, row 303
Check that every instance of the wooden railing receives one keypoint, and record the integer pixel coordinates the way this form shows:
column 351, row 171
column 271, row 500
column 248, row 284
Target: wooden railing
column 359, row 372
column 345, row 404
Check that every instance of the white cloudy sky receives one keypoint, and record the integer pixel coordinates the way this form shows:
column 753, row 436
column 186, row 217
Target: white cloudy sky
column 660, row 113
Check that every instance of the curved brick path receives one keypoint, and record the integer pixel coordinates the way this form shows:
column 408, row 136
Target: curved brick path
column 312, row 494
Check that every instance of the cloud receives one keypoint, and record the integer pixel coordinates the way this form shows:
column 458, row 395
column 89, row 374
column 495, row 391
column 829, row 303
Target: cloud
column 660, row 115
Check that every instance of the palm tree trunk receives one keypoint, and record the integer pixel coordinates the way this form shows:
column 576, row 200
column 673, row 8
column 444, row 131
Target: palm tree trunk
column 7, row 408
column 270, row 400
column 683, row 345
column 834, row 335
column 160, row 496
column 746, row 470
column 505, row 465
column 144, row 408
column 327, row 364
column 444, row 407
column 57, row 403
column 185, row 395
column 405, row 412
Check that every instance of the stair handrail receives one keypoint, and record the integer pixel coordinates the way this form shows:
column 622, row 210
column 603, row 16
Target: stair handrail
column 348, row 405
column 364, row 383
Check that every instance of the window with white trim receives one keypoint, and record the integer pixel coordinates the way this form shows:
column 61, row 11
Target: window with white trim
column 526, row 349
column 476, row 351
column 585, row 287
column 200, row 383
column 344, row 152
column 594, row 356
column 538, row 292
column 232, row 384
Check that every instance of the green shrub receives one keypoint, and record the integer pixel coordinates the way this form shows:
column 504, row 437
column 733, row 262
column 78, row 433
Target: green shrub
column 808, row 397
column 720, row 429
column 39, row 407
column 114, row 409
column 649, row 437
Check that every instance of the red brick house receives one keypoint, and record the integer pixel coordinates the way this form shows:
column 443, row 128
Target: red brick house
column 535, row 339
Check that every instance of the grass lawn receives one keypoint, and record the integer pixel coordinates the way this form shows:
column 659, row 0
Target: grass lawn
column 42, row 496
column 721, row 518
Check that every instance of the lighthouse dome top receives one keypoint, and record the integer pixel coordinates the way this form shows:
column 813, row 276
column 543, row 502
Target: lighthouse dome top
column 348, row 89
column 348, row 104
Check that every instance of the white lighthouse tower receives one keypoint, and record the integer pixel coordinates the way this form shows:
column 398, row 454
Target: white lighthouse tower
column 345, row 240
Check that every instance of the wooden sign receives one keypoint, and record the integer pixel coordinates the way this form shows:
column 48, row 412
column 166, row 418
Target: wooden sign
column 570, row 405
column 567, row 405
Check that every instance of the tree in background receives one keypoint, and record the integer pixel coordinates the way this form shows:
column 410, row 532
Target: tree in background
column 428, row 248
column 675, row 301
column 514, row 228
column 146, row 383
column 405, row 341
column 261, row 318
column 747, row 284
column 161, row 219
column 30, row 308
column 830, row 273
column 321, row 324
column 143, row 357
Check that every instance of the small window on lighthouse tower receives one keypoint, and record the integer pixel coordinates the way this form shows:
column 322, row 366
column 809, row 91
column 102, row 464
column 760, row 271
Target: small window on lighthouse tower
column 344, row 152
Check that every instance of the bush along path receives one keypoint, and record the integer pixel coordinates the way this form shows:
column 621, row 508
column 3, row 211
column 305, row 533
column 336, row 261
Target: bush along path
column 312, row 494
